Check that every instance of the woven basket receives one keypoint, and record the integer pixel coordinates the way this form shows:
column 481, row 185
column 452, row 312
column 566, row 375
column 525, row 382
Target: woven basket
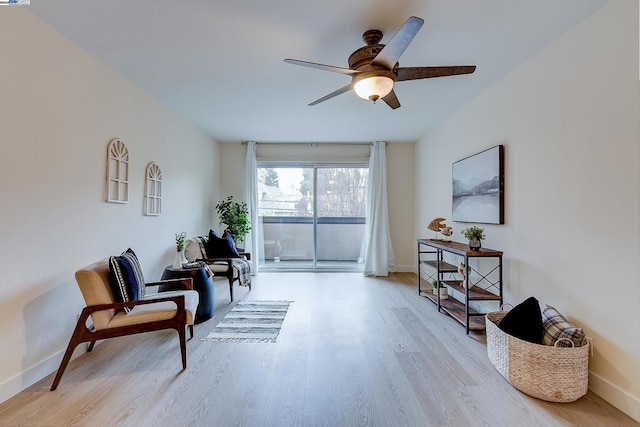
column 555, row 374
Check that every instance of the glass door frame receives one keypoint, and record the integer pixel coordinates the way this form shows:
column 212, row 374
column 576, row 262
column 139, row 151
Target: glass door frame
column 314, row 165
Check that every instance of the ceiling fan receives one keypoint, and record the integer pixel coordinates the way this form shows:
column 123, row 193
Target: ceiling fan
column 374, row 68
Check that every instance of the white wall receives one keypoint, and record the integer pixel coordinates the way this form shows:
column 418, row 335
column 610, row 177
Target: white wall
column 60, row 107
column 569, row 120
column 400, row 186
column 232, row 172
column 401, row 197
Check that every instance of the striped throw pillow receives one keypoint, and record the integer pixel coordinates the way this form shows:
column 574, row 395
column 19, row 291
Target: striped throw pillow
column 127, row 280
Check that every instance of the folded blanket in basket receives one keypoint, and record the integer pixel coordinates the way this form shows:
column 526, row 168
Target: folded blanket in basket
column 559, row 331
column 545, row 372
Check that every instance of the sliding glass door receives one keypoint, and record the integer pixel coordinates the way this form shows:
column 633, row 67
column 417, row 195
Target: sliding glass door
column 341, row 209
column 286, row 215
column 311, row 216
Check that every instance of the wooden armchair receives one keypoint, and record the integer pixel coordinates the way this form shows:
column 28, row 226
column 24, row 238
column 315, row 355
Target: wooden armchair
column 166, row 310
column 233, row 269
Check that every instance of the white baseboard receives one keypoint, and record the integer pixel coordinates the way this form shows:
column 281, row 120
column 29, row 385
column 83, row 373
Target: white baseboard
column 32, row 375
column 621, row 399
column 405, row 269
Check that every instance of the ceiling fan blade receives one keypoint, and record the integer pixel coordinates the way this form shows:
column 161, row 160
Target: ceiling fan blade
column 343, row 89
column 415, row 73
column 392, row 100
column 390, row 54
column 340, row 70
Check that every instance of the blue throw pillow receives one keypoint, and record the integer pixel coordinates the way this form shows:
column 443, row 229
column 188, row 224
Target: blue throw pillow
column 137, row 271
column 221, row 247
column 524, row 321
column 127, row 281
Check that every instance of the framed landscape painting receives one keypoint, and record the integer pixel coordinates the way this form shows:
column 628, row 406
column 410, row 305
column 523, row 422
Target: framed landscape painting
column 478, row 187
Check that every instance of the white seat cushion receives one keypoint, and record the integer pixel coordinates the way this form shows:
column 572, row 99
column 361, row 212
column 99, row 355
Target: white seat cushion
column 159, row 311
column 222, row 268
column 218, row 268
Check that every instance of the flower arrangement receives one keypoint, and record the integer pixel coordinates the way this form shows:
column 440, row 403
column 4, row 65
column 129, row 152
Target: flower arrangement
column 473, row 233
column 180, row 241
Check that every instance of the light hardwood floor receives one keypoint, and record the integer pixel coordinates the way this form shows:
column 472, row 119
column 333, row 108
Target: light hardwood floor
column 353, row 351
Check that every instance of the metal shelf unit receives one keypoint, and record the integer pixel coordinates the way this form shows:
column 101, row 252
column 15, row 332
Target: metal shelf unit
column 430, row 255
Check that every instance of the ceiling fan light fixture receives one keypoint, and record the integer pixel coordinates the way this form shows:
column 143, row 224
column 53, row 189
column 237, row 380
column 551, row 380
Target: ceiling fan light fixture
column 372, row 85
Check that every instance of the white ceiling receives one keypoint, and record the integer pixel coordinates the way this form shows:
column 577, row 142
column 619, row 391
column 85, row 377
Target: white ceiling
column 219, row 62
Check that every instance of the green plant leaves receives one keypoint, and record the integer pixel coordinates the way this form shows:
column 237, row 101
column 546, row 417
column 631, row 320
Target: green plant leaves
column 235, row 216
column 473, row 233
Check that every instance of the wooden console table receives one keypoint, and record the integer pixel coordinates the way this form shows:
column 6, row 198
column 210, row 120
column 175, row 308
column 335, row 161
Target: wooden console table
column 430, row 255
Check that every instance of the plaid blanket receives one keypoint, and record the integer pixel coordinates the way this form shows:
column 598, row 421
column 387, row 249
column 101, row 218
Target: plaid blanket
column 244, row 271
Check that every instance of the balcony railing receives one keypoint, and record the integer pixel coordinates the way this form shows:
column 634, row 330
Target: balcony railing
column 290, row 238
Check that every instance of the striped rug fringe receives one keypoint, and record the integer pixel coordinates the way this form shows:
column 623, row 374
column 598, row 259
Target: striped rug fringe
column 243, row 340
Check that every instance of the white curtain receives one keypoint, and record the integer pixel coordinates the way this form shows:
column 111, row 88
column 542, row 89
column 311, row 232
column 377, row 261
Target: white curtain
column 378, row 255
column 251, row 198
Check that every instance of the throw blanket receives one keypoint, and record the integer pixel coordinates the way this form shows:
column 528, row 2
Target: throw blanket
column 198, row 264
column 244, row 271
column 202, row 242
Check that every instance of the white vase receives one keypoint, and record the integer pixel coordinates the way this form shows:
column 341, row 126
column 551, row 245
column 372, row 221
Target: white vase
column 179, row 259
column 443, row 292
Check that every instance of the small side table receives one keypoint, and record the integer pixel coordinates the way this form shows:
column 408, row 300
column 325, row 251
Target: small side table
column 202, row 283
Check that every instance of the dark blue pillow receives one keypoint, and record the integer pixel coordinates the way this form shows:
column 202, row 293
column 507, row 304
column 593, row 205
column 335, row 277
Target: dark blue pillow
column 127, row 281
column 137, row 270
column 221, row 247
column 524, row 321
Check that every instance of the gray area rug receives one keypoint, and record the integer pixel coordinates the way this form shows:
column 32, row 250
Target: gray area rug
column 251, row 321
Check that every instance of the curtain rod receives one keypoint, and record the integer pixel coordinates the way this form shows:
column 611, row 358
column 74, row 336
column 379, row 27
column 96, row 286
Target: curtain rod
column 311, row 144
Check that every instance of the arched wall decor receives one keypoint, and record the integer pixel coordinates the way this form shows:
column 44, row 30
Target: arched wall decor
column 153, row 190
column 117, row 172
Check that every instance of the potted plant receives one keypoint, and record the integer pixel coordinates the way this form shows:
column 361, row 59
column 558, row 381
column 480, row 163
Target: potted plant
column 443, row 290
column 180, row 259
column 474, row 234
column 236, row 217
